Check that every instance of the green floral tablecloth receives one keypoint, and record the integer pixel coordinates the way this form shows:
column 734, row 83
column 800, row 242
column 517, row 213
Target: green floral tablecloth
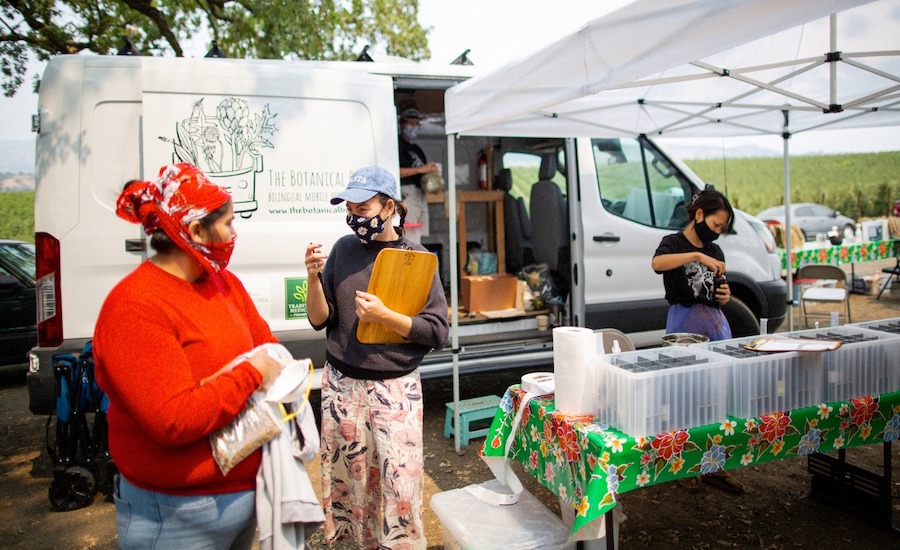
column 588, row 463
column 852, row 253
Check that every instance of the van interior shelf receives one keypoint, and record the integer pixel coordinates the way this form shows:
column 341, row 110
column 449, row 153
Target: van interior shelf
column 493, row 203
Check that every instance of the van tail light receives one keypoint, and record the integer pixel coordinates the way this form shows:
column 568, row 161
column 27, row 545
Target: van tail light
column 47, row 285
column 766, row 235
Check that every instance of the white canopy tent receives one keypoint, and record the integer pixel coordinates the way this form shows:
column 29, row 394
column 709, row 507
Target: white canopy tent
column 700, row 68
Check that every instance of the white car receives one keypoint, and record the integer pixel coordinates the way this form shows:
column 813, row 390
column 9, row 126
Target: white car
column 812, row 219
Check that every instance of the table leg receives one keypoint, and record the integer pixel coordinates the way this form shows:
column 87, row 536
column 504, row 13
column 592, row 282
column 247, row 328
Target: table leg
column 610, row 531
column 609, row 542
column 852, row 285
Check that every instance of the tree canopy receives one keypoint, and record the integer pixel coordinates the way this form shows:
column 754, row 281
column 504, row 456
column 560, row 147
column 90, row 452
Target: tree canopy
column 263, row 29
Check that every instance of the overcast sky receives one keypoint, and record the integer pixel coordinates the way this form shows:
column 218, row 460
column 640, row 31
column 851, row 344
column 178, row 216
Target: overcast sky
column 495, row 36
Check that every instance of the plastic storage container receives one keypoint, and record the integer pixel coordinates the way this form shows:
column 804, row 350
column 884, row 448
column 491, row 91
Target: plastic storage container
column 867, row 363
column 764, row 383
column 891, row 326
column 658, row 390
column 469, row 523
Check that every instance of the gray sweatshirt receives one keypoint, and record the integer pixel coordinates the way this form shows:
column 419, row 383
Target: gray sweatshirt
column 348, row 269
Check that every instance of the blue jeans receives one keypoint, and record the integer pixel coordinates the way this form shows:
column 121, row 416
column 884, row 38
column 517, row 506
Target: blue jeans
column 147, row 519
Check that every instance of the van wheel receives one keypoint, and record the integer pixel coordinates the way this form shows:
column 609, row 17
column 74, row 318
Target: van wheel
column 741, row 318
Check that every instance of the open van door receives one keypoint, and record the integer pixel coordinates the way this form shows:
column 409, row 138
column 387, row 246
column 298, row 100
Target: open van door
column 642, row 198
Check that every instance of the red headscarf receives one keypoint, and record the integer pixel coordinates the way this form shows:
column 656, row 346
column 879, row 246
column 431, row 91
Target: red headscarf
column 180, row 195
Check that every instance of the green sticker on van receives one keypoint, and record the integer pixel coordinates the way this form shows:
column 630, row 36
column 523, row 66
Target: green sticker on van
column 295, row 297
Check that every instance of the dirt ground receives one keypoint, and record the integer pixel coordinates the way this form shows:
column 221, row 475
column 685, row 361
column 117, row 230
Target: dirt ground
column 776, row 512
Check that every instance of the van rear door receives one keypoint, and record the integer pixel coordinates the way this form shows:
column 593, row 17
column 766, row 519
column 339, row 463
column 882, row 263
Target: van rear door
column 86, row 149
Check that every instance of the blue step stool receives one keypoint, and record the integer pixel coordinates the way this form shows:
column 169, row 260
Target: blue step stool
column 471, row 410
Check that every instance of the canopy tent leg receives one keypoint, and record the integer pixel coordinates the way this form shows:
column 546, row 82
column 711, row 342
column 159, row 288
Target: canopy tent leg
column 454, row 284
column 786, row 136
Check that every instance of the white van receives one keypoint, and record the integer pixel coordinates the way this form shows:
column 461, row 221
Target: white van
column 284, row 136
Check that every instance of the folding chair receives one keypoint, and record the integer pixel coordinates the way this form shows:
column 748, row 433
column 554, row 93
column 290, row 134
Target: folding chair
column 838, row 294
column 894, row 272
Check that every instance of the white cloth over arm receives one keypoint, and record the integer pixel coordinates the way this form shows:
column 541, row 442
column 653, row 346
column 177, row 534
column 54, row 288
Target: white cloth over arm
column 287, row 509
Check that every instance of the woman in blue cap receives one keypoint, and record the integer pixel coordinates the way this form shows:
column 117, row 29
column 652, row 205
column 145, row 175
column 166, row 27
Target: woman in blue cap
column 372, row 408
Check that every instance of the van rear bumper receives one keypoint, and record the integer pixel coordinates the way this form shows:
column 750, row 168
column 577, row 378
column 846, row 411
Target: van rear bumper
column 40, row 378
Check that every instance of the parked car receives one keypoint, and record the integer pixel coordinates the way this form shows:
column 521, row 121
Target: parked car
column 812, row 219
column 17, row 307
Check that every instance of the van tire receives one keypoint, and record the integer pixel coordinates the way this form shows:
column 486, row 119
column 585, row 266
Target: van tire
column 741, row 318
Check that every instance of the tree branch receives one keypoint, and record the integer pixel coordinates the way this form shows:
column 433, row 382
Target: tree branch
column 145, row 8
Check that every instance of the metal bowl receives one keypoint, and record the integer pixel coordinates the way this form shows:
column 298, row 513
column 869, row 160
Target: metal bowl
column 683, row 339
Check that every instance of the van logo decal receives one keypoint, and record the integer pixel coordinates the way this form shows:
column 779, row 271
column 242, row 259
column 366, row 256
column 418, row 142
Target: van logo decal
column 227, row 145
column 295, row 297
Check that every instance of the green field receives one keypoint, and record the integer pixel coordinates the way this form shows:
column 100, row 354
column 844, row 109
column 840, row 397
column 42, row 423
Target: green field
column 859, row 185
column 17, row 215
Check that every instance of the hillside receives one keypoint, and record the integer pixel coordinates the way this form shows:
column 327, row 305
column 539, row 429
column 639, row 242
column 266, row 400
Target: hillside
column 16, row 182
column 858, row 185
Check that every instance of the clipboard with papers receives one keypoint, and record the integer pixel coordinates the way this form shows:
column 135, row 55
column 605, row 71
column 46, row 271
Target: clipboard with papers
column 792, row 344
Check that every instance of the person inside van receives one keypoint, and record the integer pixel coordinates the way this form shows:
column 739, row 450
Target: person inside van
column 693, row 270
column 372, row 409
column 172, row 322
column 413, row 165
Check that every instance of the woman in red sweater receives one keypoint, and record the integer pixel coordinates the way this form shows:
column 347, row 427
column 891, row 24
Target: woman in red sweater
column 175, row 320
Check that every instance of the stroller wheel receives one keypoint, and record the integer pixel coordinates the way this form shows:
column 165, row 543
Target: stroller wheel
column 72, row 488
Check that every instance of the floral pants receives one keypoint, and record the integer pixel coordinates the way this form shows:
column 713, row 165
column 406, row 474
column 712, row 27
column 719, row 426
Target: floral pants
column 372, row 460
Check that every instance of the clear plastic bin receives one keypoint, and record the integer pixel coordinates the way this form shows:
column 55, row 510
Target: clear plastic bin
column 469, row 523
column 764, row 383
column 891, row 326
column 867, row 363
column 658, row 390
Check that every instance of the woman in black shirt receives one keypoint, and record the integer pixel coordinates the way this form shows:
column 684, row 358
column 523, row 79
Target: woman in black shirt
column 693, row 269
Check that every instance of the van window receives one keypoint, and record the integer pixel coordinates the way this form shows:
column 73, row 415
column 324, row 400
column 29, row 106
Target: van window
column 525, row 168
column 639, row 184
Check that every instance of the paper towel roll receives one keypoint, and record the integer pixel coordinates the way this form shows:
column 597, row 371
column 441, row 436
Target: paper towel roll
column 574, row 352
column 538, row 383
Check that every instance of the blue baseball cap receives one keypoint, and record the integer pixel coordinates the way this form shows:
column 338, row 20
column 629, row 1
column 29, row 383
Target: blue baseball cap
column 365, row 183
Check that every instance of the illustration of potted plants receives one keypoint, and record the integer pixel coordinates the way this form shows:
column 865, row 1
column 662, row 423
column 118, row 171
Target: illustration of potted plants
column 227, row 147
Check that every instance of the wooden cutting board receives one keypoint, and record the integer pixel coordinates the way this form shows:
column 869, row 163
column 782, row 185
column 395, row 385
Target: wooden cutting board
column 402, row 280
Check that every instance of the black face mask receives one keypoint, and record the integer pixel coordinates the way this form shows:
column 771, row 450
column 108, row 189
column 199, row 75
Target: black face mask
column 706, row 234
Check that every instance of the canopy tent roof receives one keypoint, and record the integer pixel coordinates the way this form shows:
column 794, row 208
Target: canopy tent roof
column 626, row 73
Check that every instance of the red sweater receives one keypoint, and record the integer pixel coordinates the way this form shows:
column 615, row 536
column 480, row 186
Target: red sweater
column 157, row 336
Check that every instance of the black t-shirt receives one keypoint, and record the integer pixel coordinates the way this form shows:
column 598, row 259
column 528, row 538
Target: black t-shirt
column 411, row 155
column 691, row 283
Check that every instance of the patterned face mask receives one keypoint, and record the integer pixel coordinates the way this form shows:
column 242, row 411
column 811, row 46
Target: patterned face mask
column 366, row 229
column 218, row 254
